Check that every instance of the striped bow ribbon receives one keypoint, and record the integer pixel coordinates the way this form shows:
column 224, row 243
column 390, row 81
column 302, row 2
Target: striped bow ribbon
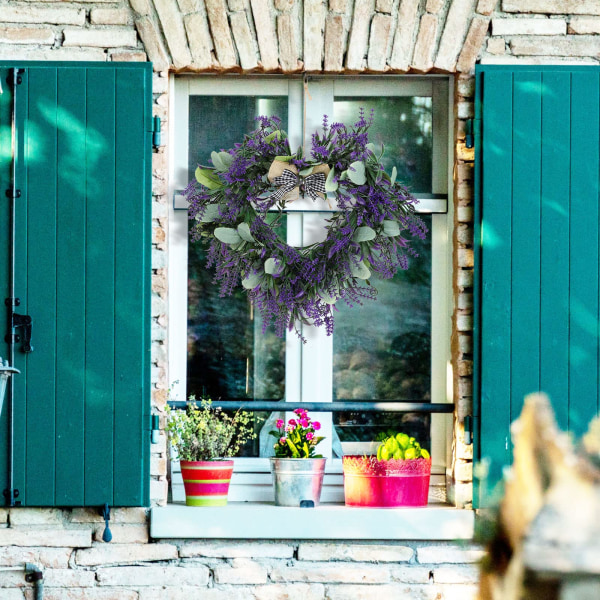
column 312, row 185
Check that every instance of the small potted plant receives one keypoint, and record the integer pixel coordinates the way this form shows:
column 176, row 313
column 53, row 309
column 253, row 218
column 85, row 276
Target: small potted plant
column 397, row 476
column 297, row 468
column 204, row 438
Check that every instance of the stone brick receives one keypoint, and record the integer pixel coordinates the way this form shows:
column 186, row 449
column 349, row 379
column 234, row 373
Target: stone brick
column 465, row 110
column 55, row 558
column 529, row 26
column 123, row 554
column 23, row 35
column 454, row 33
column 288, row 52
column 240, row 571
column 244, row 40
column 26, row 536
column 100, row 38
column 473, row 44
column 287, row 5
column 220, row 592
column 411, row 574
column 158, row 465
column 153, row 576
column 583, row 589
column 221, row 34
column 265, row 34
column 236, row 550
column 127, row 56
column 464, row 191
column 464, row 279
column 384, row 6
column 465, row 301
column 464, row 234
column 354, row 552
column 141, row 7
column 402, row 50
column 110, row 16
column 465, row 344
column 378, row 42
column 464, row 153
column 335, row 38
column 464, row 214
column 466, row 86
column 14, row 594
column 51, row 15
column 3, row 516
column 152, row 44
column 117, row 515
column 400, row 591
column 464, row 323
column 464, row 172
column 124, row 534
column 331, row 573
column 68, row 578
column 556, row 7
column 486, row 7
column 236, row 5
column 189, row 6
column 171, row 23
column 359, row 34
column 36, row 516
column 581, row 45
column 496, row 46
column 314, row 27
column 456, row 574
column 425, row 44
column 290, row 591
column 158, row 491
column 434, row 6
column 465, row 367
column 584, row 25
column 87, row 594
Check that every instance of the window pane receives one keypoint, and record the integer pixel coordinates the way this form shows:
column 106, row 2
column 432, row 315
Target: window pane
column 228, row 355
column 382, row 351
column 404, row 126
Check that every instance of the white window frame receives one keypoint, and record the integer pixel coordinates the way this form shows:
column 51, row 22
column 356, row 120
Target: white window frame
column 306, row 376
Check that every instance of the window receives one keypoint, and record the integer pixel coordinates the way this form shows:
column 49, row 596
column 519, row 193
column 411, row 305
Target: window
column 396, row 348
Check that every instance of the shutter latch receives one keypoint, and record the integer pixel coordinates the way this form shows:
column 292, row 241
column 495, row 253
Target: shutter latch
column 468, row 425
column 469, row 137
column 156, row 137
column 107, row 534
column 11, row 497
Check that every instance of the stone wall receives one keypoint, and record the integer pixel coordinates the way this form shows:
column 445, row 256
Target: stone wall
column 276, row 36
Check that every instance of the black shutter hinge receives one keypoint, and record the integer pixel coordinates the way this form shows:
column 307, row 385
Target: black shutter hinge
column 23, row 322
column 469, row 137
column 156, row 136
column 155, row 430
column 11, row 496
column 13, row 194
column 468, row 426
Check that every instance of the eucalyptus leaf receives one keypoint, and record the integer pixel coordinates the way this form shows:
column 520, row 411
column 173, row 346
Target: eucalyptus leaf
column 394, row 175
column 274, row 266
column 227, row 235
column 360, row 270
column 391, row 228
column 284, row 158
column 327, row 298
column 217, row 162
column 243, row 230
column 370, row 146
column 330, row 184
column 272, row 136
column 364, row 234
column 226, row 158
column 211, row 212
column 208, row 178
column 356, row 172
column 344, row 175
column 306, row 172
column 251, row 280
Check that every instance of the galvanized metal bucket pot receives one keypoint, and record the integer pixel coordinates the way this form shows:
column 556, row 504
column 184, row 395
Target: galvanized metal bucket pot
column 5, row 373
column 297, row 479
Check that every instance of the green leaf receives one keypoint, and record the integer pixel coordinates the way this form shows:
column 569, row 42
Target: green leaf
column 211, row 213
column 274, row 266
column 227, row 235
column 370, row 146
column 208, row 178
column 251, row 280
column 327, row 298
column 306, row 172
column 284, row 158
column 330, row 184
column 344, row 176
column 364, row 234
column 356, row 172
column 394, row 175
column 272, row 136
column 391, row 228
column 226, row 158
column 217, row 162
column 243, row 230
column 359, row 270
column 382, row 151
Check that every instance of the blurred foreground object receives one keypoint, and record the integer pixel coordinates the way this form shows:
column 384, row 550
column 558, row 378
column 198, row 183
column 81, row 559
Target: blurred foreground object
column 546, row 544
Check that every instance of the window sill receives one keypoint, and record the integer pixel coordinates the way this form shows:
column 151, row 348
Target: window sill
column 256, row 520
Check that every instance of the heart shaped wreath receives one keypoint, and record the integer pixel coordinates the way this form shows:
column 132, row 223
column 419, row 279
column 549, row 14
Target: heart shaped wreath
column 229, row 203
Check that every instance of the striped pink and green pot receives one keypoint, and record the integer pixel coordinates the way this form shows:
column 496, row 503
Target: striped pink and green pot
column 206, row 483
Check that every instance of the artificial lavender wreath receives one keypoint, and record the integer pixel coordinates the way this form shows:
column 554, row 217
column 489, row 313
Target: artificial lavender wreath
column 229, row 203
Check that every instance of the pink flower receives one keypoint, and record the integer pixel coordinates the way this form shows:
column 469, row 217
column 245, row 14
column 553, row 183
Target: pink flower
column 279, row 423
column 304, row 423
column 316, row 425
column 292, row 422
column 289, row 428
column 282, row 441
column 310, row 435
column 300, row 412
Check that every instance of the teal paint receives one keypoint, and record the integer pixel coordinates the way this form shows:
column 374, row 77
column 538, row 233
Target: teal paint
column 83, row 273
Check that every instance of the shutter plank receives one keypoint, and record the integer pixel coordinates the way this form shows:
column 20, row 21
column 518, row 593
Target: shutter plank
column 496, row 271
column 131, row 317
column 555, row 234
column 70, row 317
column 42, row 177
column 100, row 286
column 525, row 274
column 583, row 349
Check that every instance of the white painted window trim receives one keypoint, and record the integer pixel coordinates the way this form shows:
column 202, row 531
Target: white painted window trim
column 251, row 478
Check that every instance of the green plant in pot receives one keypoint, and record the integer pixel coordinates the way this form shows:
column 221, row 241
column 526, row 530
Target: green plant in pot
column 204, row 439
column 397, row 476
column 297, row 468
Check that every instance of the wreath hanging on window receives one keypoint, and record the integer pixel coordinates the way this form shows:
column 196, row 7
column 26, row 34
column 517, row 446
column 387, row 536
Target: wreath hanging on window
column 237, row 205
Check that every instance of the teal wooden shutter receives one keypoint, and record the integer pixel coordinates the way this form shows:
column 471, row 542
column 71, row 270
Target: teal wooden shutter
column 537, row 184
column 83, row 227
